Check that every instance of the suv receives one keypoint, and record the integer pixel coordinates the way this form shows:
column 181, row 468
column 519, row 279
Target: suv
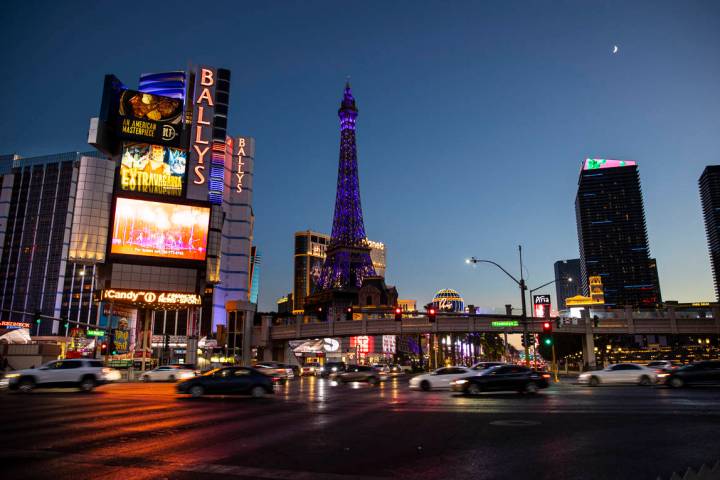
column 82, row 373
column 332, row 369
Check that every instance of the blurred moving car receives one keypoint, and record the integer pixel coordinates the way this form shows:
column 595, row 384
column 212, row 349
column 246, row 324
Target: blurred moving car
column 440, row 378
column 502, row 378
column 479, row 366
column 310, row 369
column 360, row 373
column 82, row 373
column 332, row 369
column 295, row 368
column 706, row 372
column 167, row 373
column 396, row 370
column 620, row 373
column 275, row 369
column 663, row 368
column 226, row 381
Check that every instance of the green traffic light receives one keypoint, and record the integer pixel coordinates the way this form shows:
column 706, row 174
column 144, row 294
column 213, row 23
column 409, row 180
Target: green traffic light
column 548, row 341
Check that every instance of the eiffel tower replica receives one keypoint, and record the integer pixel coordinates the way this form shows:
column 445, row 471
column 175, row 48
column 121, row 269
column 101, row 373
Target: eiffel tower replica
column 347, row 265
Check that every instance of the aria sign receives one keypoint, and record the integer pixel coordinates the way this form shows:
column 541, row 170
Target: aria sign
column 151, row 298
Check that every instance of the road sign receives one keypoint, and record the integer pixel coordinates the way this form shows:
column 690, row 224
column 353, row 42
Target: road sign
column 505, row 323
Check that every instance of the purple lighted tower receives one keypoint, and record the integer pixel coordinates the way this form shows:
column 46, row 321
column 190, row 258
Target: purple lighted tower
column 348, row 255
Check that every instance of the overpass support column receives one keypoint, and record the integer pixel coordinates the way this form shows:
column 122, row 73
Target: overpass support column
column 265, row 339
column 588, row 342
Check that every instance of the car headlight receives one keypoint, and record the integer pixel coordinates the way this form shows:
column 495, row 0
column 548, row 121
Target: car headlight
column 334, row 369
column 12, row 375
column 460, row 382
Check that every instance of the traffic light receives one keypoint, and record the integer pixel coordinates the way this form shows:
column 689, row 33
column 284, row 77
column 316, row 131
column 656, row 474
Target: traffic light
column 398, row 314
column 38, row 316
column 103, row 348
column 531, row 340
column 596, row 321
column 432, row 314
column 348, row 313
column 66, row 323
column 546, row 340
column 547, row 327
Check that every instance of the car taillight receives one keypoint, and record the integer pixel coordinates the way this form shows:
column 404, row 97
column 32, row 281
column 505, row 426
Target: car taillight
column 546, row 375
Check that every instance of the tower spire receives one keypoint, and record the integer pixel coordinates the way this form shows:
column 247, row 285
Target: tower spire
column 348, row 257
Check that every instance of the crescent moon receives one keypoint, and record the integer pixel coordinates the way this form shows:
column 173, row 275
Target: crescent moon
column 615, row 49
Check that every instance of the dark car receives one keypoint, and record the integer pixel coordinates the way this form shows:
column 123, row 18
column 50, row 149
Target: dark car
column 360, row 373
column 295, row 369
column 502, row 378
column 228, row 380
column 332, row 368
column 700, row 373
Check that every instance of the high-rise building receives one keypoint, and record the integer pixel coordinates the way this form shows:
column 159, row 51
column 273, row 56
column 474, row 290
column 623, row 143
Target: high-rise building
column 568, row 281
column 310, row 252
column 612, row 233
column 710, row 197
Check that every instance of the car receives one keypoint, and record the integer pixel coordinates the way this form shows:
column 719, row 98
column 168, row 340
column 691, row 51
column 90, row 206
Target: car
column 485, row 365
column 502, row 378
column 309, row 369
column 396, row 370
column 332, row 369
column 82, row 373
column 275, row 369
column 226, row 381
column 167, row 373
column 295, row 368
column 359, row 373
column 620, row 373
column 706, row 372
column 663, row 368
column 440, row 378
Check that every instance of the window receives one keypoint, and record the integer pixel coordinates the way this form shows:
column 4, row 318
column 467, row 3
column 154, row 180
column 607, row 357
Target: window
column 68, row 365
column 95, row 364
column 442, row 371
column 224, row 373
column 241, row 372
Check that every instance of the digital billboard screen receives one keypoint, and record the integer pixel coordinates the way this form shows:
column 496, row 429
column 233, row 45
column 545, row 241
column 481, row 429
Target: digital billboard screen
column 162, row 230
column 152, row 169
column 151, row 118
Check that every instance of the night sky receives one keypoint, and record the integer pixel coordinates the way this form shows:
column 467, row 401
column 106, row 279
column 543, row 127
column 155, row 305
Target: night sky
column 474, row 118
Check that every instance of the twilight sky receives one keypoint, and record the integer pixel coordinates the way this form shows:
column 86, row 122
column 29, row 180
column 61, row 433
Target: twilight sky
column 474, row 118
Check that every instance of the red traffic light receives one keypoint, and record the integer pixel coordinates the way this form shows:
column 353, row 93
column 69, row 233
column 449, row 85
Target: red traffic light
column 398, row 314
column 547, row 327
column 398, row 310
column 431, row 311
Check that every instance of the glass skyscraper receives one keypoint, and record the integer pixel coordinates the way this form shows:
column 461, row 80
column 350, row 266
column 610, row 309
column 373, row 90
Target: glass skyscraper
column 612, row 233
column 710, row 197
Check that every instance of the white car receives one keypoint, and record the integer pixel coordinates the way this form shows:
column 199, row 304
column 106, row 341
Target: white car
column 82, row 373
column 440, row 378
column 621, row 373
column 167, row 373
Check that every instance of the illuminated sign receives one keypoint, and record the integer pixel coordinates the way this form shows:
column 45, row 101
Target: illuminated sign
column 9, row 324
column 148, row 117
column 152, row 169
column 389, row 343
column 121, row 340
column 154, row 229
column 541, row 306
column 244, row 151
column 95, row 333
column 701, row 304
column 362, row 344
column 331, row 345
column 596, row 163
column 504, row 323
column 150, row 297
column 201, row 135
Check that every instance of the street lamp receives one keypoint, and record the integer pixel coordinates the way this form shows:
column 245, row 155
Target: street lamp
column 523, row 287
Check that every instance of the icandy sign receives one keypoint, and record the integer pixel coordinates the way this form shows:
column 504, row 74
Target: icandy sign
column 201, row 135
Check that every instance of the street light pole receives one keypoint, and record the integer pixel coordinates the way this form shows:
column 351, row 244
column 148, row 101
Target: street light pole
column 523, row 287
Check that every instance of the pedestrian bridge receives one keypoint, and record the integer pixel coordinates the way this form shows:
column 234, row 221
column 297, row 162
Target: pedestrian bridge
column 620, row 321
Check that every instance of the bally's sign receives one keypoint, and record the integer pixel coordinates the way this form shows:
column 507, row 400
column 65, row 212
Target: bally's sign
column 151, row 298
column 201, row 135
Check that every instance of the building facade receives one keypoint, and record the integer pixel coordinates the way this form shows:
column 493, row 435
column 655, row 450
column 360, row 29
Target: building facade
column 568, row 280
column 612, row 234
column 710, row 198
column 149, row 238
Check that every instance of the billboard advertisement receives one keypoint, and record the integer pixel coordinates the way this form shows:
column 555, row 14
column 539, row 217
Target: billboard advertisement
column 152, row 169
column 162, row 230
column 541, row 306
column 150, row 118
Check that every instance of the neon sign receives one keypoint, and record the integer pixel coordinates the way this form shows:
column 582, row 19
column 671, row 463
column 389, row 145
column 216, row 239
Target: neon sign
column 201, row 136
column 145, row 297
column 596, row 163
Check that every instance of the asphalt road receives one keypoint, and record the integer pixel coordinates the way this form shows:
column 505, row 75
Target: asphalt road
column 313, row 430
